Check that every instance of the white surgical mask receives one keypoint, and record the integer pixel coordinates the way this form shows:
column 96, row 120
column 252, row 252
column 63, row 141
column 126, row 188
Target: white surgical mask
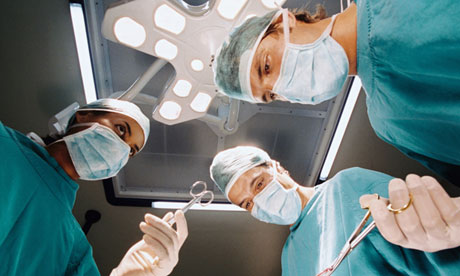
column 311, row 73
column 275, row 204
column 97, row 152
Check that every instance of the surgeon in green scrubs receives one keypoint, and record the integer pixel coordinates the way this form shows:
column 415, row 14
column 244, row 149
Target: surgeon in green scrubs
column 405, row 52
column 38, row 233
column 323, row 217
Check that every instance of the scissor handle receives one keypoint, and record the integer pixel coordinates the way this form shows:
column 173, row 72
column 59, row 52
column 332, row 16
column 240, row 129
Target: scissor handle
column 194, row 188
column 211, row 194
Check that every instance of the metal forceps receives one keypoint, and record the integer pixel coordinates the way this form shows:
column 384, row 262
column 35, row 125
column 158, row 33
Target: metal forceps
column 355, row 238
column 198, row 190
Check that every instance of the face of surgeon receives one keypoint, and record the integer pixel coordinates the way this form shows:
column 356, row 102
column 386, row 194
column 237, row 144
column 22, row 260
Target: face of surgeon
column 125, row 127
column 253, row 181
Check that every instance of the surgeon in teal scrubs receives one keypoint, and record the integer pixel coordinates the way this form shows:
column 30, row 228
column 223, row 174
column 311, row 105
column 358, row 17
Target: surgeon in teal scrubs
column 323, row 217
column 405, row 52
column 38, row 233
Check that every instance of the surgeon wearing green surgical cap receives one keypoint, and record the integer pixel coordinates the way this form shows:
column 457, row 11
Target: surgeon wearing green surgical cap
column 38, row 233
column 323, row 217
column 406, row 54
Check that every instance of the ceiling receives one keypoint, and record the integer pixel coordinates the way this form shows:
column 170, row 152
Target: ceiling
column 175, row 156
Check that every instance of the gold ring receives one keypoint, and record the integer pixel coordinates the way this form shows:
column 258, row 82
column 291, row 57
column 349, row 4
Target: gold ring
column 400, row 210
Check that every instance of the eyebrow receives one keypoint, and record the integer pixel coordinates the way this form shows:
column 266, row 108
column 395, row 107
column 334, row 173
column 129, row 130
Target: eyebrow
column 250, row 188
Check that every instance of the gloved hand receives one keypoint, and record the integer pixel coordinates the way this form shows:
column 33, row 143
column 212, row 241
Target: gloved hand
column 158, row 252
column 430, row 223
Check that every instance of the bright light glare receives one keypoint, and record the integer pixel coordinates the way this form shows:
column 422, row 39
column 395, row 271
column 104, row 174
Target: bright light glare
column 197, row 65
column 81, row 40
column 210, row 207
column 170, row 110
column 201, row 102
column 168, row 19
column 271, row 4
column 166, row 49
column 129, row 32
column 341, row 127
column 182, row 88
column 229, row 9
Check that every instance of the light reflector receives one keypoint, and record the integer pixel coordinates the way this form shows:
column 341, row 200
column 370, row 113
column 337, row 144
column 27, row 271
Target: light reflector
column 341, row 127
column 165, row 49
column 229, row 9
column 182, row 88
column 170, row 110
column 197, row 65
column 168, row 19
column 201, row 102
column 210, row 207
column 129, row 32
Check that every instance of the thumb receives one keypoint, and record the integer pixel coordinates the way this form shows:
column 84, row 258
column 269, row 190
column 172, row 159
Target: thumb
column 365, row 200
column 181, row 225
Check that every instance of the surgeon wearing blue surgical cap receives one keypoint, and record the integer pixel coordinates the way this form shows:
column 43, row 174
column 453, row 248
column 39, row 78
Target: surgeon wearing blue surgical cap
column 322, row 218
column 38, row 233
column 406, row 54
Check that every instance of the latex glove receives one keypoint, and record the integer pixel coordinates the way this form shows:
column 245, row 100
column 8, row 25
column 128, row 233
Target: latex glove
column 432, row 221
column 158, row 252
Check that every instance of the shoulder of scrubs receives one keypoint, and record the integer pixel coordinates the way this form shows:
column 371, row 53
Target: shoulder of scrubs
column 408, row 61
column 38, row 231
column 331, row 216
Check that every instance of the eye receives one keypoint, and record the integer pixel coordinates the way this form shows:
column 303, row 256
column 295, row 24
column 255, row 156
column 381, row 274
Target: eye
column 259, row 185
column 272, row 96
column 132, row 152
column 247, row 205
column 267, row 69
column 121, row 130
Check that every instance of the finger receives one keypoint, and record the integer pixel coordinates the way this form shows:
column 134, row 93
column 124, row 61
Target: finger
column 365, row 200
column 386, row 222
column 157, row 247
column 164, row 227
column 168, row 216
column 427, row 211
column 181, row 224
column 408, row 220
column 166, row 239
column 448, row 207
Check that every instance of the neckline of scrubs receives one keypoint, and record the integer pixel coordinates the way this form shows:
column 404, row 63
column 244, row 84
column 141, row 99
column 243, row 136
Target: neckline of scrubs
column 307, row 207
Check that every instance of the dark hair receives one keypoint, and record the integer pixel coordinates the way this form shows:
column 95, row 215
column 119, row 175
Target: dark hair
column 301, row 14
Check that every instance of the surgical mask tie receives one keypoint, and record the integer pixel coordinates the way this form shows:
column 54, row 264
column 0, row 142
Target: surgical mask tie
column 311, row 73
column 275, row 204
column 96, row 152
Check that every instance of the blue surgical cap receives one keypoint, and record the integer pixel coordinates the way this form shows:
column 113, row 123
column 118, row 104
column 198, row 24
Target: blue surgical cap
column 234, row 58
column 230, row 164
column 122, row 107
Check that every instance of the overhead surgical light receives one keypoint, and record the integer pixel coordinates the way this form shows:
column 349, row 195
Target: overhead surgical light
column 166, row 49
column 182, row 88
column 129, row 32
column 186, row 36
column 168, row 19
column 170, row 110
column 201, row 102
column 197, row 65
column 229, row 9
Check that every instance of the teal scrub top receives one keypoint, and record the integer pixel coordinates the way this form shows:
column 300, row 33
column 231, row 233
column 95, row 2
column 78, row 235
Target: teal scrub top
column 408, row 59
column 330, row 217
column 38, row 233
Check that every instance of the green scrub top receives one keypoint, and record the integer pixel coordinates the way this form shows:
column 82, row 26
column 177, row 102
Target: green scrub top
column 330, row 217
column 38, row 233
column 408, row 59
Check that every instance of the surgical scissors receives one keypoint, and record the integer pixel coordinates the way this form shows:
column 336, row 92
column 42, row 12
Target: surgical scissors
column 355, row 238
column 197, row 193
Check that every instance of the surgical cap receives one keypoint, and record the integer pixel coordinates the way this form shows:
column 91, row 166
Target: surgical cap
column 122, row 107
column 234, row 58
column 230, row 164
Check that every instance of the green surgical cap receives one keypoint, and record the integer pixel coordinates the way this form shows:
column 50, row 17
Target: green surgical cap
column 230, row 164
column 122, row 107
column 234, row 59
